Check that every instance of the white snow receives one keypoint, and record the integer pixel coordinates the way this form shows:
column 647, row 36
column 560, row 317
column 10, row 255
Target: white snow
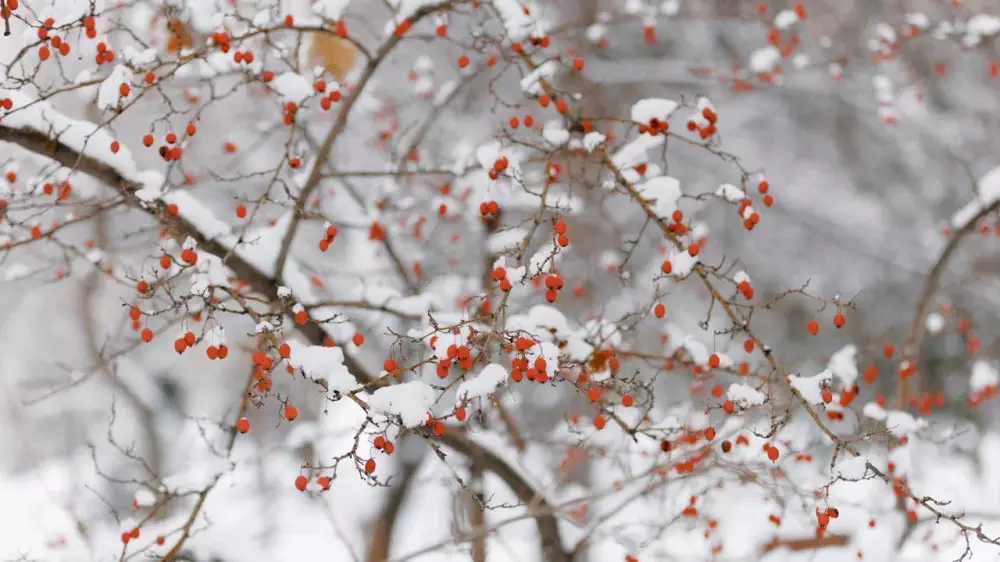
column 137, row 57
column 696, row 350
column 874, row 411
column 918, row 20
column 517, row 23
column 682, row 262
column 664, row 192
column 988, row 193
column 983, row 25
column 411, row 401
column 483, row 384
column 730, row 193
column 764, row 59
column 595, row 32
column 108, row 95
column 554, row 133
column 811, row 388
column 144, row 497
column 745, row 396
column 323, row 362
column 785, row 19
column 292, row 87
column 983, row 375
column 532, row 82
column 645, row 110
column 934, row 323
column 902, row 423
column 885, row 32
column 635, row 151
column 843, row 364
column 592, row 140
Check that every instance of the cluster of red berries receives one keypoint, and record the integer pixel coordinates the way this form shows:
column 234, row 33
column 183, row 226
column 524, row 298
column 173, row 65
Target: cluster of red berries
column 330, row 234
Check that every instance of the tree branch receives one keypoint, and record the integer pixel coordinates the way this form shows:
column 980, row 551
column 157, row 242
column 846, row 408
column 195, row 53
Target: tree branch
column 914, row 339
column 267, row 286
column 321, row 156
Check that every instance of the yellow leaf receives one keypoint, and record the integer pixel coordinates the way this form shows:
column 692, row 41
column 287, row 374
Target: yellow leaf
column 334, row 54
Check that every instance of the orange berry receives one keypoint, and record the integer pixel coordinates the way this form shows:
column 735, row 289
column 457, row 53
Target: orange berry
column 813, row 327
column 301, row 482
column 243, row 425
column 291, row 412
